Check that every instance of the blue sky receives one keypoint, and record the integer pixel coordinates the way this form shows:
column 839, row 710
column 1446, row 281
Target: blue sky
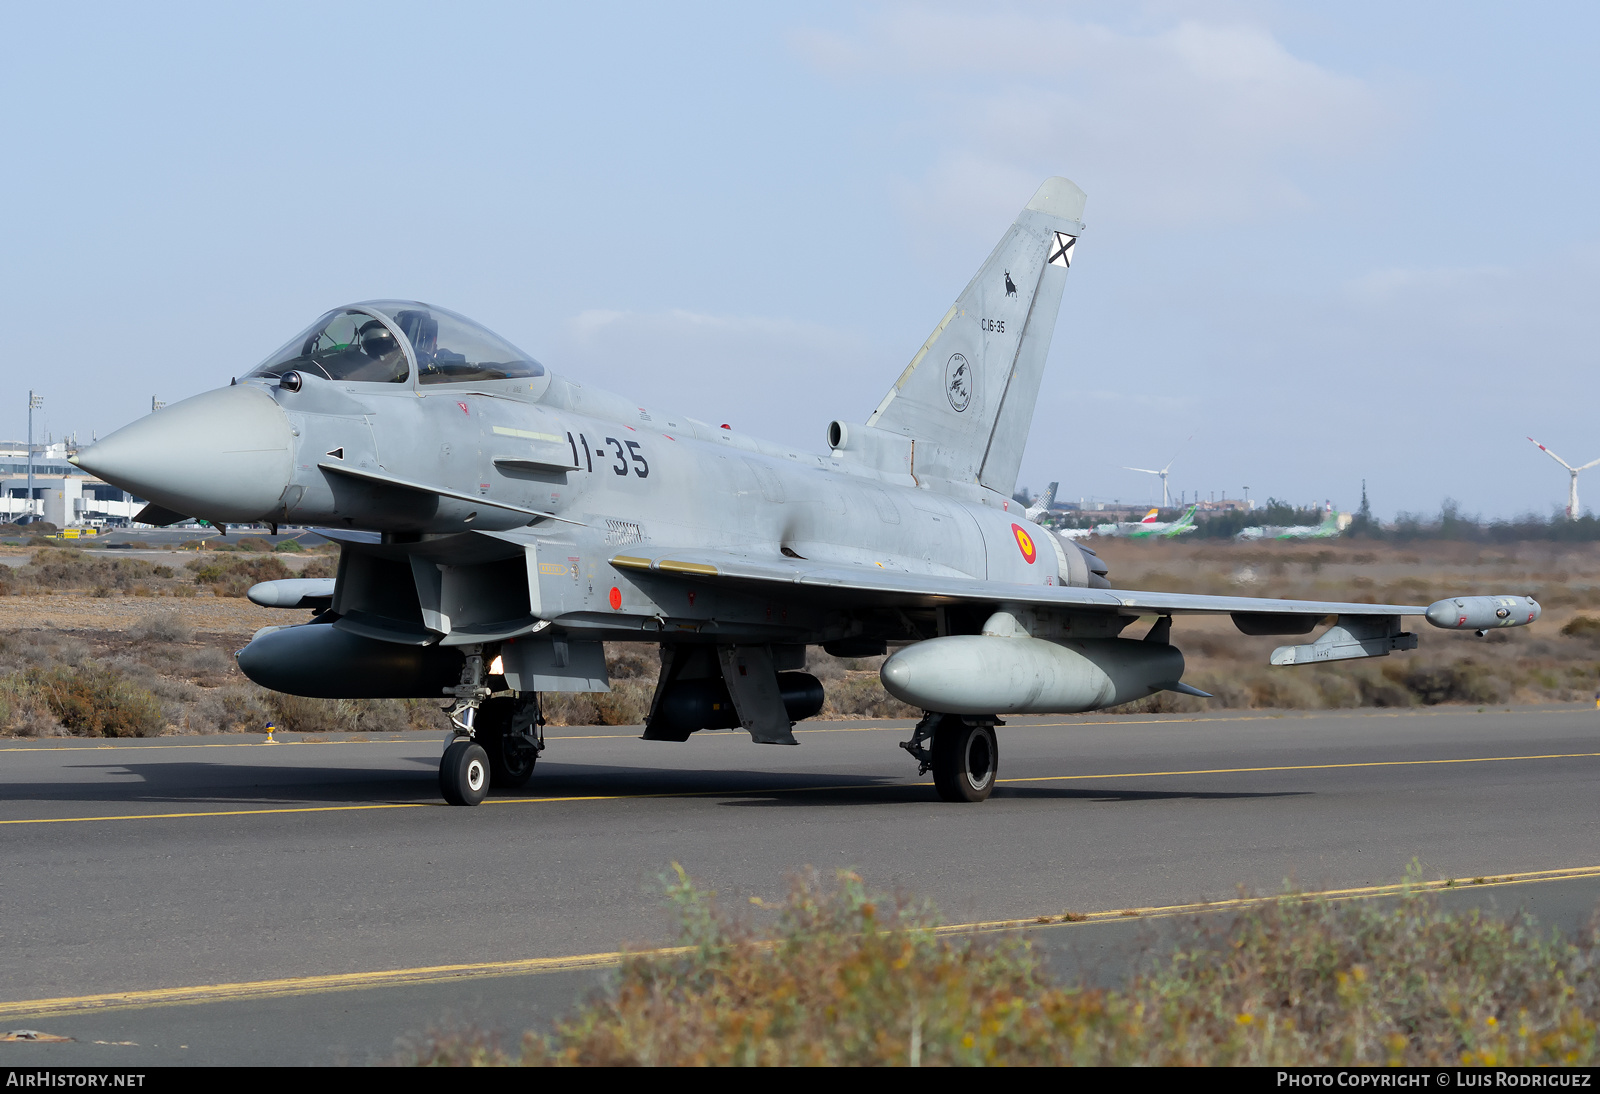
column 1331, row 242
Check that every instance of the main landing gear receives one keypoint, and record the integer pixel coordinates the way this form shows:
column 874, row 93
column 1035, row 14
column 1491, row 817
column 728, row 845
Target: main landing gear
column 498, row 738
column 965, row 755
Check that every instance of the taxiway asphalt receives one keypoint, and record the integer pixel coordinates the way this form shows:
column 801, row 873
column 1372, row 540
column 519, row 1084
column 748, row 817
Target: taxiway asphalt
column 141, row 874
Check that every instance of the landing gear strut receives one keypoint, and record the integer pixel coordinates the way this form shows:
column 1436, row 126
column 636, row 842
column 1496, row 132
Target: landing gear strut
column 499, row 736
column 511, row 731
column 965, row 754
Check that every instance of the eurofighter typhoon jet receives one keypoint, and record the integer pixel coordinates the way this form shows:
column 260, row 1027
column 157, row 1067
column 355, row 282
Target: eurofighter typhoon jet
column 498, row 524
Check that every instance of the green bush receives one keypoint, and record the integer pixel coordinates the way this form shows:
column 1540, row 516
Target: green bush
column 289, row 546
column 842, row 976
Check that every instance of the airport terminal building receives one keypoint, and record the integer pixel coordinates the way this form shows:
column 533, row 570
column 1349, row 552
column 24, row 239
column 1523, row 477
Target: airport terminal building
column 64, row 495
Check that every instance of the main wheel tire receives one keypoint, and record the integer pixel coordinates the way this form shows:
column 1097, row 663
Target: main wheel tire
column 464, row 773
column 965, row 760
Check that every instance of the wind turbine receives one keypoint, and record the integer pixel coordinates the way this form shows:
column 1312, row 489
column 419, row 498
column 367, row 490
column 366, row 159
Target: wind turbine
column 1166, row 496
column 1572, row 490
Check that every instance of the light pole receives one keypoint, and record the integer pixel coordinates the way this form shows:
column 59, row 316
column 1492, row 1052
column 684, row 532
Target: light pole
column 35, row 402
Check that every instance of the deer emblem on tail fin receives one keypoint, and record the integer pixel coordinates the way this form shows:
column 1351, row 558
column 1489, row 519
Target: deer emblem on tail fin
column 1011, row 287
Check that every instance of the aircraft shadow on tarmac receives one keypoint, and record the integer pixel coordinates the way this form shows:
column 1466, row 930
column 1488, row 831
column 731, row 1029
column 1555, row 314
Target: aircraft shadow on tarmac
column 212, row 784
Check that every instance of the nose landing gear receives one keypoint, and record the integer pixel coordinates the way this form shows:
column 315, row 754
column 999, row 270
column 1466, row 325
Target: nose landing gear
column 965, row 756
column 498, row 737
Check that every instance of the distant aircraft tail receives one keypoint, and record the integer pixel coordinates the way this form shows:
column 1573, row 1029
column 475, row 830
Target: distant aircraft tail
column 1183, row 524
column 1150, row 517
column 1042, row 505
column 967, row 397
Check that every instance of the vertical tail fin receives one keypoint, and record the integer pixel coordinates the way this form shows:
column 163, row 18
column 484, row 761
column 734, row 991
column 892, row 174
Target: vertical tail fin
column 1042, row 505
column 1183, row 524
column 967, row 397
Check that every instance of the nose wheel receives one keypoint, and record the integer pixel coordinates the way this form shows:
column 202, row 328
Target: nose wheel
column 464, row 772
column 499, row 737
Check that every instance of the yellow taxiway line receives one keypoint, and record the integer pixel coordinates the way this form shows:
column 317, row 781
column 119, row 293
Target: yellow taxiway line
column 1306, row 767
column 555, row 799
column 305, row 985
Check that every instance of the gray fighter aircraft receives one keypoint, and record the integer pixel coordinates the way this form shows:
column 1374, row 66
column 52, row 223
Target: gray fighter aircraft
column 499, row 523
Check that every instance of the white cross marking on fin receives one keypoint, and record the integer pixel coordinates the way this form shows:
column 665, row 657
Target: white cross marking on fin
column 1061, row 254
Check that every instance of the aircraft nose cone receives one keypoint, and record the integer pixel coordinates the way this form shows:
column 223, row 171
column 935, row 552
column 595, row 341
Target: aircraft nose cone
column 226, row 455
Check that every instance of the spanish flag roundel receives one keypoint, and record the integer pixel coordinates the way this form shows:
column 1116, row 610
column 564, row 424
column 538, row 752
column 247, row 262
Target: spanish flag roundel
column 1024, row 543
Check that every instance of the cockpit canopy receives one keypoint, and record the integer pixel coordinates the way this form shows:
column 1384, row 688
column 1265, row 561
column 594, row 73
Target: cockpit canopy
column 381, row 341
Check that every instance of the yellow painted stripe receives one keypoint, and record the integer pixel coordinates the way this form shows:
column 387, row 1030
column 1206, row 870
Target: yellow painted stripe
column 716, row 793
column 225, row 744
column 1361, row 892
column 1303, row 767
column 672, row 567
column 630, row 562
column 303, row 985
column 224, row 813
column 300, row 985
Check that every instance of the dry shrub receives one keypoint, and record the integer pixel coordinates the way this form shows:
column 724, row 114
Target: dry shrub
column 234, row 577
column 23, row 709
column 861, row 695
column 852, row 687
column 299, row 714
column 207, row 666
column 847, row 977
column 92, row 700
column 1586, row 627
column 66, row 568
column 626, row 704
column 235, row 709
column 161, row 627
column 1464, row 682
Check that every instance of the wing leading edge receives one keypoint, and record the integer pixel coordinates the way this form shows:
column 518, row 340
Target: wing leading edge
column 889, row 587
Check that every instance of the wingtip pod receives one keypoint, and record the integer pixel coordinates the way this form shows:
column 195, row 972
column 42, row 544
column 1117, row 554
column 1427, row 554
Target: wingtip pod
column 1059, row 197
column 1481, row 613
column 293, row 592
